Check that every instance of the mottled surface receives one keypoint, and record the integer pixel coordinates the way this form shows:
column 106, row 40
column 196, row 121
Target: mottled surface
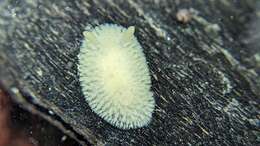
column 205, row 73
column 22, row 128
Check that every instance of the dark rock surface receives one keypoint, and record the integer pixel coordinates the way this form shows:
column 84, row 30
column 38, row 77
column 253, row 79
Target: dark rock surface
column 205, row 73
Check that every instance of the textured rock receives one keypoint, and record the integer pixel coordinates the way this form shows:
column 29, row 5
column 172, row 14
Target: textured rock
column 205, row 74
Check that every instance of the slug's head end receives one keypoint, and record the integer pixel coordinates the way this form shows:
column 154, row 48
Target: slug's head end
column 128, row 34
column 89, row 36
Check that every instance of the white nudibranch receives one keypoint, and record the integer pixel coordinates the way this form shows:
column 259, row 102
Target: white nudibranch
column 114, row 76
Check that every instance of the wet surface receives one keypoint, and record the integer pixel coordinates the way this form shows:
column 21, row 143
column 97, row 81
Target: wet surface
column 205, row 78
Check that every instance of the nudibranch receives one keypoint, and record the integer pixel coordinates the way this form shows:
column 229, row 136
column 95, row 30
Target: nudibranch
column 114, row 76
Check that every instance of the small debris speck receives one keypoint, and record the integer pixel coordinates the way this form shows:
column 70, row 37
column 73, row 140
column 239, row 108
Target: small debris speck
column 64, row 138
column 183, row 15
column 51, row 112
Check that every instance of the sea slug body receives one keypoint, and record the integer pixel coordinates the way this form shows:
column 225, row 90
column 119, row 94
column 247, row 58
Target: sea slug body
column 114, row 76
